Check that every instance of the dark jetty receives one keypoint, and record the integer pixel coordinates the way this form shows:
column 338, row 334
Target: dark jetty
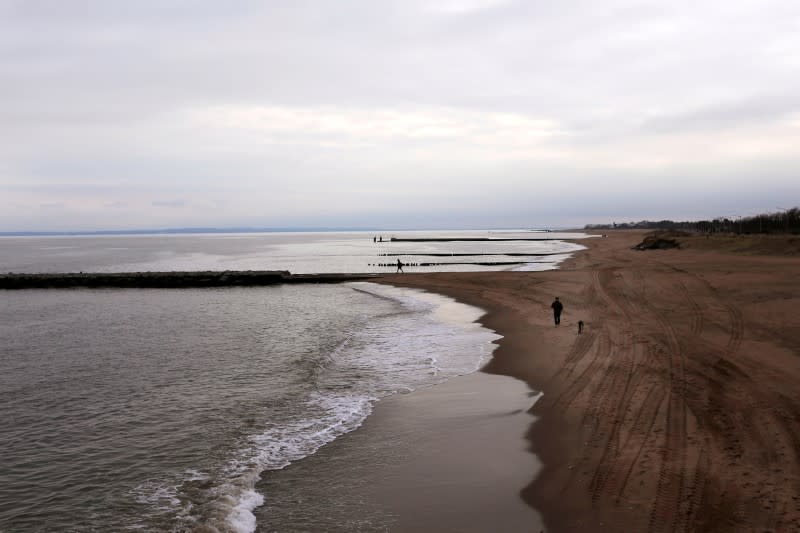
column 169, row 280
column 479, row 263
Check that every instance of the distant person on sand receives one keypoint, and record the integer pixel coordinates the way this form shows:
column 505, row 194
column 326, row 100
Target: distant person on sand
column 557, row 308
column 580, row 326
column 399, row 266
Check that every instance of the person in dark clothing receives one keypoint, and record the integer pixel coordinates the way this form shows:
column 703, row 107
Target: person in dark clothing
column 399, row 266
column 557, row 308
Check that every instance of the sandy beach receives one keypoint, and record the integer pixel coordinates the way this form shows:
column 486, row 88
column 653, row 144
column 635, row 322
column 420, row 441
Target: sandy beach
column 424, row 461
column 677, row 408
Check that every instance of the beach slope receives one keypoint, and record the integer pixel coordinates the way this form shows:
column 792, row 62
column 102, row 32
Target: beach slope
column 678, row 407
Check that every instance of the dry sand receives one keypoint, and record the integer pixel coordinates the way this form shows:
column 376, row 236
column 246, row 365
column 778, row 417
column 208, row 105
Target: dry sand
column 678, row 408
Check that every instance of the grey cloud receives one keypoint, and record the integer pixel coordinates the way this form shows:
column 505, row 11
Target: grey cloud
column 767, row 108
column 528, row 56
column 169, row 203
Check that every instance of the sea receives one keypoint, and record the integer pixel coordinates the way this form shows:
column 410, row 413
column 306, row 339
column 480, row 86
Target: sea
column 167, row 409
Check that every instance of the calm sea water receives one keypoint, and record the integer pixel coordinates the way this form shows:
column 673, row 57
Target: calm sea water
column 300, row 253
column 160, row 410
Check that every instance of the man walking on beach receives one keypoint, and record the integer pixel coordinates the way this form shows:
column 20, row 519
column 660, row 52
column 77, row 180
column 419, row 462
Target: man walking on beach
column 399, row 266
column 557, row 308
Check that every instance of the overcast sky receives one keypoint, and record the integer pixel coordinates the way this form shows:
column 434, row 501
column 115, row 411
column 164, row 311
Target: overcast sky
column 407, row 113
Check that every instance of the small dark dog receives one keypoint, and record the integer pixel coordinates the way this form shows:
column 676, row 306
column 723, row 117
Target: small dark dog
column 580, row 326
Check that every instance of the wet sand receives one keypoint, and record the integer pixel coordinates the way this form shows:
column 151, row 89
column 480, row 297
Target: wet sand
column 430, row 488
column 423, row 461
column 677, row 409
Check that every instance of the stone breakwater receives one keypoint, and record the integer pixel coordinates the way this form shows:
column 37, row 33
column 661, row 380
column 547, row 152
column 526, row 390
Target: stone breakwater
column 168, row 280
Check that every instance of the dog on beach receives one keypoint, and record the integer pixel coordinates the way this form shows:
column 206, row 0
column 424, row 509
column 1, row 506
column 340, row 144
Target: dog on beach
column 580, row 326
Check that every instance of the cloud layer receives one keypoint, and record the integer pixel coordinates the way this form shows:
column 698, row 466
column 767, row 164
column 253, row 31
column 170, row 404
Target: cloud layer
column 395, row 113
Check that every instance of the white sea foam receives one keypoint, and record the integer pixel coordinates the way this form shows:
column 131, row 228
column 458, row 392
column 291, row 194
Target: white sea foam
column 420, row 340
column 195, row 475
column 163, row 497
column 462, row 344
column 242, row 517
column 454, row 344
column 277, row 447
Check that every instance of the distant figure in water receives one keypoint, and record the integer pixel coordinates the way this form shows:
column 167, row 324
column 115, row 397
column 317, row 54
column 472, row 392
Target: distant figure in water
column 557, row 308
column 399, row 267
column 580, row 326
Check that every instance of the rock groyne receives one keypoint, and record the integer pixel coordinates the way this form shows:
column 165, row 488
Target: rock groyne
column 168, row 280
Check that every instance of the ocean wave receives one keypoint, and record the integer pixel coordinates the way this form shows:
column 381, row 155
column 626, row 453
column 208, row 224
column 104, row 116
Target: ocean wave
column 419, row 339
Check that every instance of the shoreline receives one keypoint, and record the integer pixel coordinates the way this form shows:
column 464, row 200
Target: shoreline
column 420, row 462
column 677, row 408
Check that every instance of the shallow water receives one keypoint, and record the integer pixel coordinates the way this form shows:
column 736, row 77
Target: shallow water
column 300, row 253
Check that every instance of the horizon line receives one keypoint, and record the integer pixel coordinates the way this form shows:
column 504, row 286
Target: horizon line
column 243, row 229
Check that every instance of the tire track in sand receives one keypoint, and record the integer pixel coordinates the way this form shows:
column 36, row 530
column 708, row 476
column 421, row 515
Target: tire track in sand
column 672, row 472
column 610, row 477
column 611, row 397
column 737, row 330
column 600, row 375
column 661, row 403
column 670, row 488
column 694, row 491
column 593, row 366
column 697, row 319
